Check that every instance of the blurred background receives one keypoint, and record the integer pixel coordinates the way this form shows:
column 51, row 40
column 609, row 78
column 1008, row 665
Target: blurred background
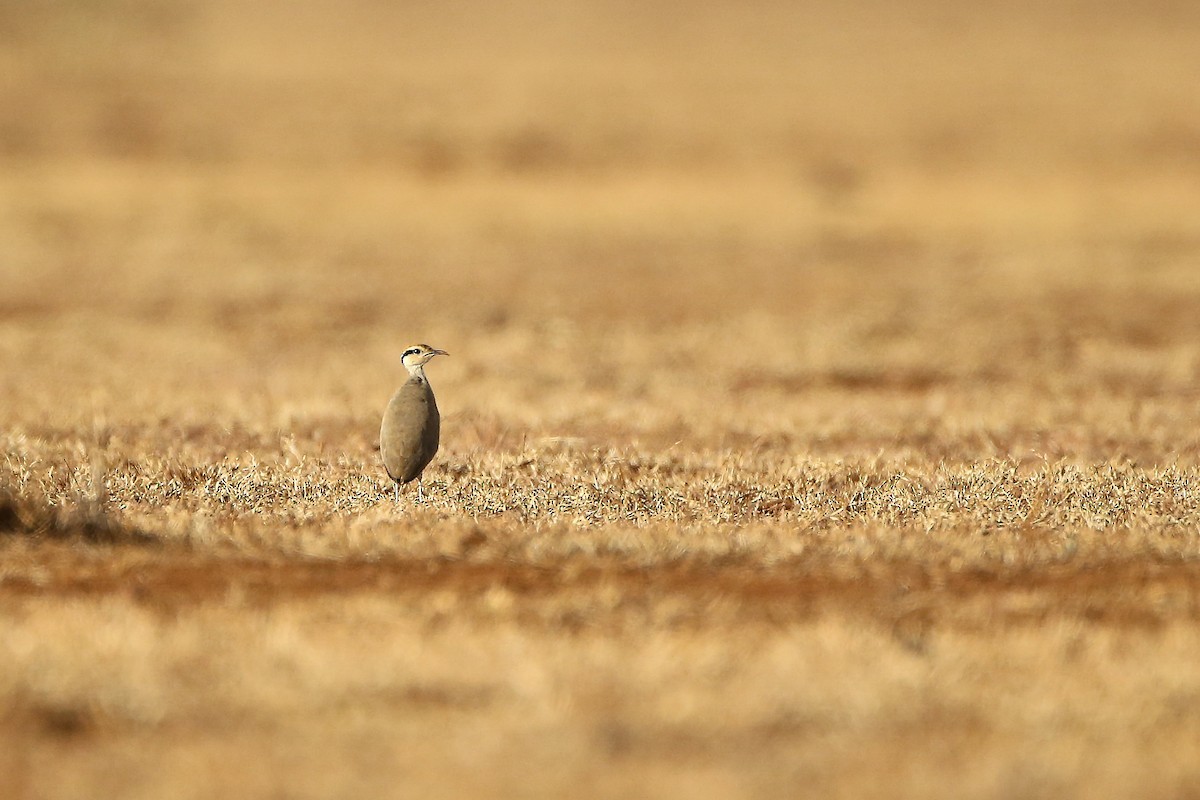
column 862, row 193
column 821, row 409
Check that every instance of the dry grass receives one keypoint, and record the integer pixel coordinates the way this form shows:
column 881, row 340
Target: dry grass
column 821, row 419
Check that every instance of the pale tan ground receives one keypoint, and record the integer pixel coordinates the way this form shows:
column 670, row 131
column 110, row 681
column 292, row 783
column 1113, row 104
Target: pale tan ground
column 821, row 418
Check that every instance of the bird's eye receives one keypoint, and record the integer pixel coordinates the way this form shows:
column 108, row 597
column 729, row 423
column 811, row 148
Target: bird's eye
column 412, row 351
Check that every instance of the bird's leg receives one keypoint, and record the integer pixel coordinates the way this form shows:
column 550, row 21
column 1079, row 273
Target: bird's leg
column 420, row 491
column 396, row 493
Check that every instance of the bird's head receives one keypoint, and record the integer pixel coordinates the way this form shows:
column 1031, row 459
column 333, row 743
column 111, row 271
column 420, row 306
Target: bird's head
column 418, row 356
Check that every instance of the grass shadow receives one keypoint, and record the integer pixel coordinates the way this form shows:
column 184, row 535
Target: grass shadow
column 83, row 521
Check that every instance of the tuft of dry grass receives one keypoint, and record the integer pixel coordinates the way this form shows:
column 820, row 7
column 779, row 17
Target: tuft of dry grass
column 77, row 519
column 822, row 414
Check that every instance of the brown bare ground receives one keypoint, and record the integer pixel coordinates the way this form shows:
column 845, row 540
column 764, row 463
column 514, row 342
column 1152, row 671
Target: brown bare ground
column 821, row 421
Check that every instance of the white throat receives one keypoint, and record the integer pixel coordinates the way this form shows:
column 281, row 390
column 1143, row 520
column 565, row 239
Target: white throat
column 417, row 371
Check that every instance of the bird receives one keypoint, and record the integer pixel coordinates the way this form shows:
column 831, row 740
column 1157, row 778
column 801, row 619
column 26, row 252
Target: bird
column 411, row 429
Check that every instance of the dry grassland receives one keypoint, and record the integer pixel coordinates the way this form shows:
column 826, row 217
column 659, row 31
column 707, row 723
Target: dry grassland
column 821, row 418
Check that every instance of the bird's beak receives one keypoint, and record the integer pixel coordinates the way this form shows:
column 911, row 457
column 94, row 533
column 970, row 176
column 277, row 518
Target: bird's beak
column 440, row 353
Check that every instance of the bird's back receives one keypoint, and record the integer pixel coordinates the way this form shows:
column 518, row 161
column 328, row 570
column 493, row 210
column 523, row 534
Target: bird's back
column 410, row 432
